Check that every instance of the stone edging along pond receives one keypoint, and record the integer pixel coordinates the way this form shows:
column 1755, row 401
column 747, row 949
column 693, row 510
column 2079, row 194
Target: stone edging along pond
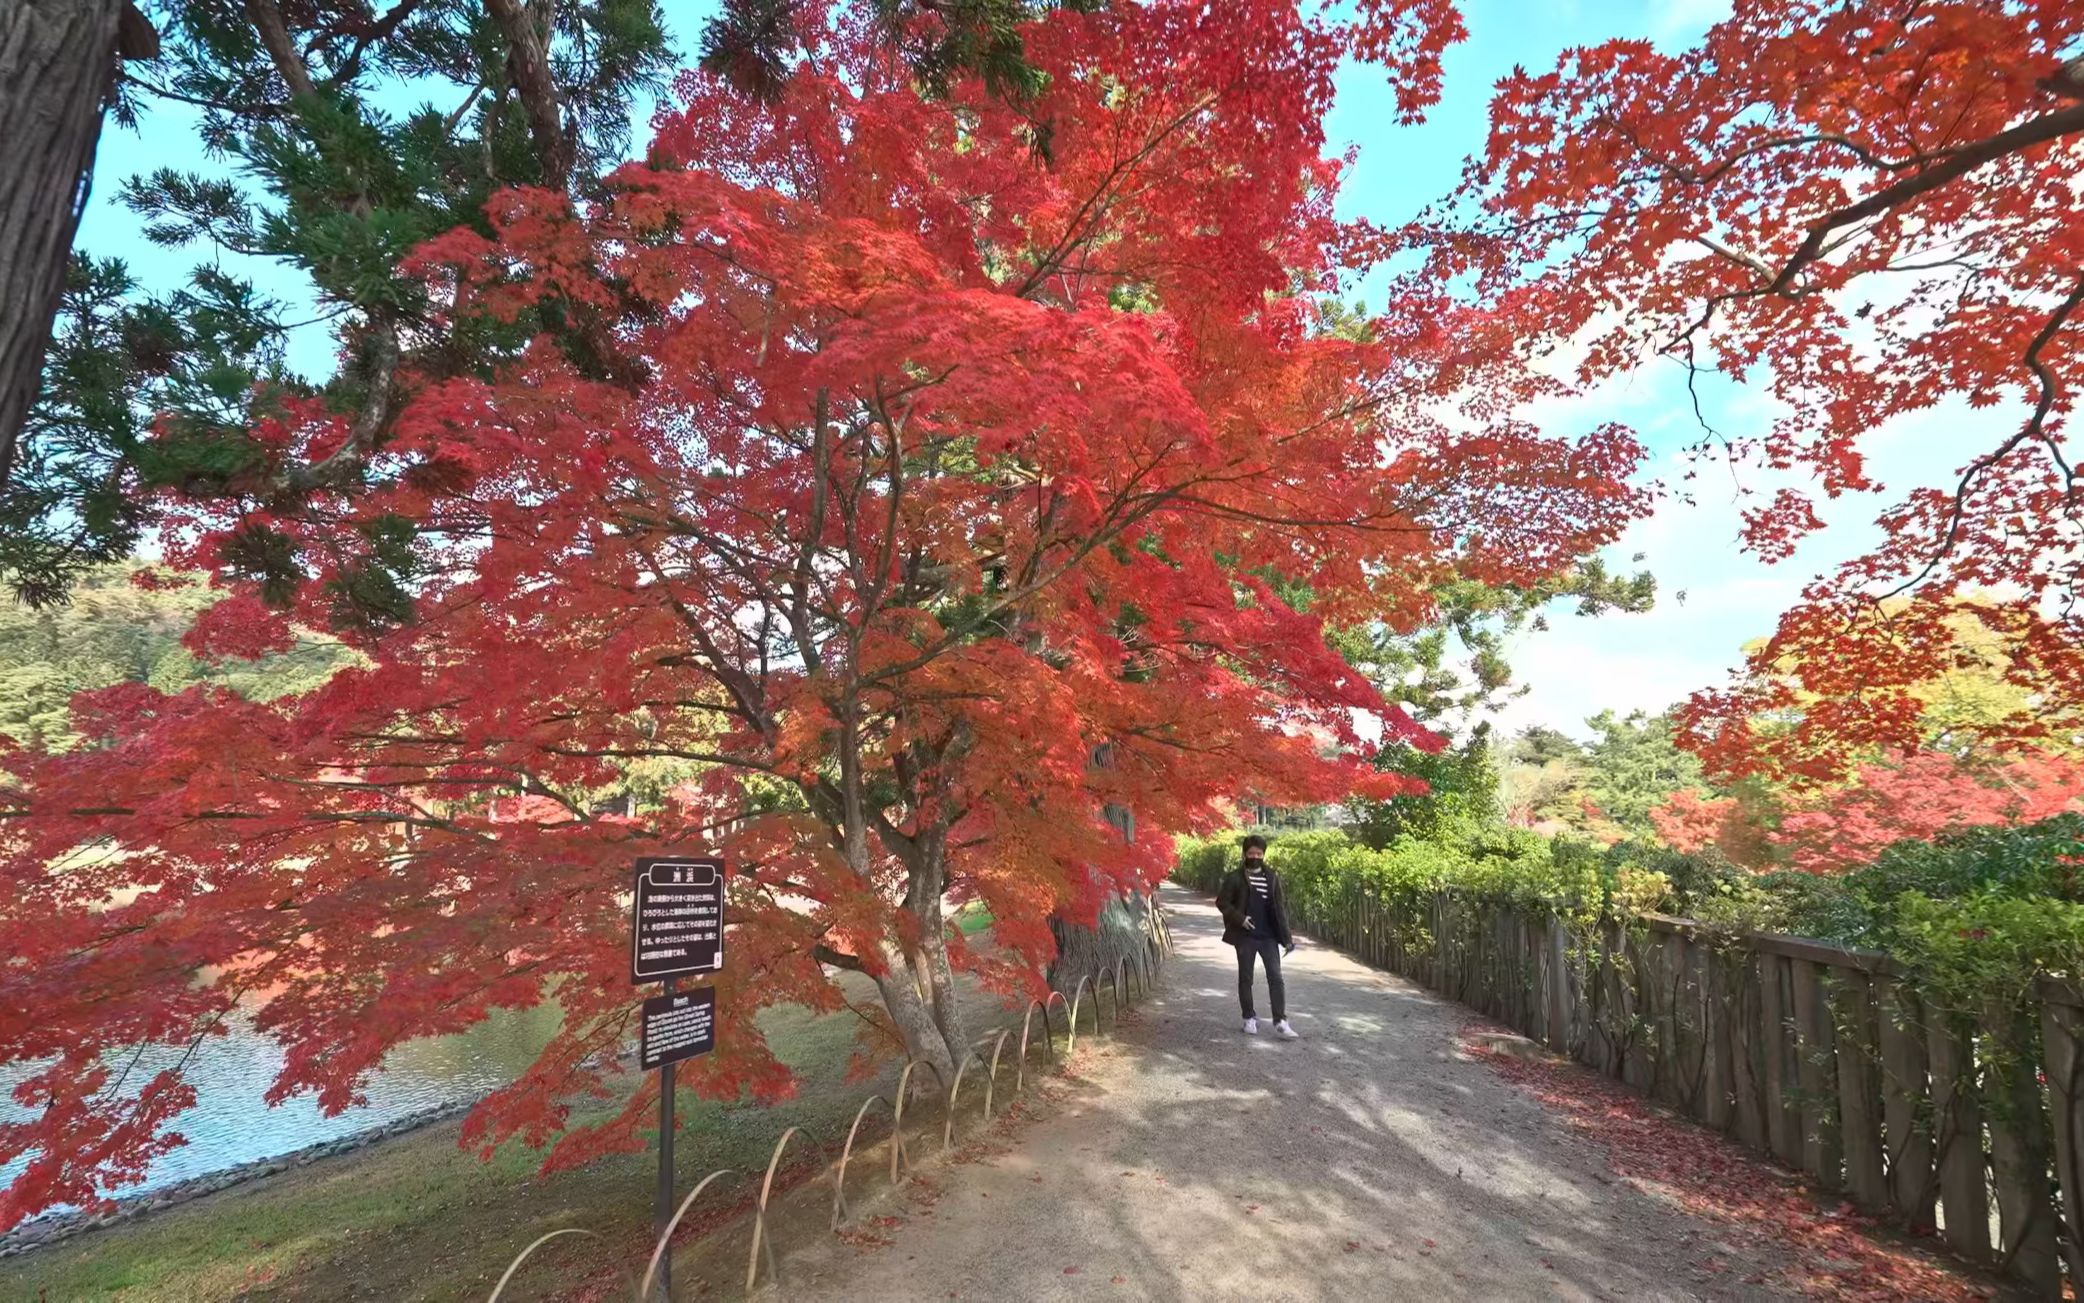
column 63, row 1226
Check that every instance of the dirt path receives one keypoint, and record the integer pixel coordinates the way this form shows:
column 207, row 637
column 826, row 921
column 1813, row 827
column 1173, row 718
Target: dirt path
column 1370, row 1159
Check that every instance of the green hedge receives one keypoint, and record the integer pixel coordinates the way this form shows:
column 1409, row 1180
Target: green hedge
column 1507, row 865
column 1974, row 916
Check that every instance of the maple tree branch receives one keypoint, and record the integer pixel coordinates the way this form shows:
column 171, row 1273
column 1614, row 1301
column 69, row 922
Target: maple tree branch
column 1074, row 234
column 2035, row 428
column 825, row 954
column 1267, row 518
column 1688, row 176
column 661, row 753
column 821, row 484
column 742, row 690
column 1957, row 163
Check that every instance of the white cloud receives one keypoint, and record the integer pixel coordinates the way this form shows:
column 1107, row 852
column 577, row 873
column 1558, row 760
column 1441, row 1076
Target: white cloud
column 1579, row 666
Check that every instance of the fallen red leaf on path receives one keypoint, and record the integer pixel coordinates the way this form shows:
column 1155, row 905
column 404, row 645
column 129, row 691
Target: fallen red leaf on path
column 1837, row 1254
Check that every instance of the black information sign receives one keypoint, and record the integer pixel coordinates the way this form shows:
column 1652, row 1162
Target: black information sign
column 676, row 1027
column 677, row 918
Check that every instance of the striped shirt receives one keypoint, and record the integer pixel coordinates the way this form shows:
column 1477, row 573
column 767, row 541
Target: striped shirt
column 1259, row 900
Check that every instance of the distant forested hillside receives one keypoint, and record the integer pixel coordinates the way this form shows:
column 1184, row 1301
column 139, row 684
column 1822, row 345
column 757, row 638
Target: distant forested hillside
column 113, row 630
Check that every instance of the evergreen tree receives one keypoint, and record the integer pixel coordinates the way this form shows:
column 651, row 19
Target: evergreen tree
column 342, row 135
column 1634, row 766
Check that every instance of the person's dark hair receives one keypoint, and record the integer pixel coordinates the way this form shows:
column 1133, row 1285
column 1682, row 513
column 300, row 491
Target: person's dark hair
column 1255, row 843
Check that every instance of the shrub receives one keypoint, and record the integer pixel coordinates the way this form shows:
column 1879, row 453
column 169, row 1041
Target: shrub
column 2038, row 859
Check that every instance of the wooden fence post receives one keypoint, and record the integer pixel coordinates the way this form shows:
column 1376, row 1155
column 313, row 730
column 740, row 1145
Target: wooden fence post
column 1958, row 1135
column 1561, row 1007
column 1718, row 1079
column 1816, row 1075
column 1783, row 1115
column 2019, row 1159
column 1638, row 1064
column 1859, row 1090
column 2062, row 1048
column 1741, row 986
column 1661, row 976
column 1905, row 1094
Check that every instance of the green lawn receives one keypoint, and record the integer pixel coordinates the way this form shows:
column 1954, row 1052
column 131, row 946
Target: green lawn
column 416, row 1218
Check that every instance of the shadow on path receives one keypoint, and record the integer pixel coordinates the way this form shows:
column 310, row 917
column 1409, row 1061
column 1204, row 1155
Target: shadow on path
column 1368, row 1160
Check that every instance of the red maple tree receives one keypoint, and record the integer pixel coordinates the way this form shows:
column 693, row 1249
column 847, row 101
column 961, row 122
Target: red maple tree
column 1919, row 797
column 1872, row 206
column 970, row 437
column 1915, row 797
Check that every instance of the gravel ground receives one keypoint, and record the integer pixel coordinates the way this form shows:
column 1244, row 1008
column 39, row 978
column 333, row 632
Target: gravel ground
column 1368, row 1160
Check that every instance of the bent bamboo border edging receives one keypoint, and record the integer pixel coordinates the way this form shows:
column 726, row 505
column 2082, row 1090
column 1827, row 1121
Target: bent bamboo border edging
column 760, row 1240
column 665, row 1238
column 1070, row 1027
column 955, row 1089
column 522, row 1257
column 1149, row 958
column 840, row 1211
column 1048, row 1049
column 991, row 1081
column 1085, row 984
column 897, row 1120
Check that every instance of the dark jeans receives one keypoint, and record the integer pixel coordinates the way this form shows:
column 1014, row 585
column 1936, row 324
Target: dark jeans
column 1269, row 951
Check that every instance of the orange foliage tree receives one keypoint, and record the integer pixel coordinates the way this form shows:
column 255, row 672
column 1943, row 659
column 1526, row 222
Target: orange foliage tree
column 969, row 437
column 1921, row 797
column 1875, row 205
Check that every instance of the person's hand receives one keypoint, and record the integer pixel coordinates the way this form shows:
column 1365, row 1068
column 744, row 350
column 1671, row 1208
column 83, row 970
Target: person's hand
column 1289, row 949
column 1248, row 925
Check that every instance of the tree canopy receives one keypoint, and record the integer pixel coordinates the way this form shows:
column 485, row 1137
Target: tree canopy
column 951, row 393
column 340, row 136
column 1868, row 208
column 947, row 465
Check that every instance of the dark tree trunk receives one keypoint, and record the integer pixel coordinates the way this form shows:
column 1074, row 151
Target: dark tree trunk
column 58, row 62
column 1119, row 933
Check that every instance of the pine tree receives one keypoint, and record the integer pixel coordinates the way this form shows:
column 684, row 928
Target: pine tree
column 348, row 134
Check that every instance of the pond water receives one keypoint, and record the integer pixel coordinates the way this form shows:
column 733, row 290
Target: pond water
column 232, row 1122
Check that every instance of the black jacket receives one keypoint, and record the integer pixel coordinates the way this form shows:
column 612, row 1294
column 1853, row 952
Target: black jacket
column 1230, row 900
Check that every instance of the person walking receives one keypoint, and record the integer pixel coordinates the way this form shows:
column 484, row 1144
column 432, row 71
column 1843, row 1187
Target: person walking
column 1255, row 920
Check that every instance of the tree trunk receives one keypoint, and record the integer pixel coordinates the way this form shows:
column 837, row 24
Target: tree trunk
column 940, row 977
column 915, row 1021
column 58, row 61
column 1119, row 933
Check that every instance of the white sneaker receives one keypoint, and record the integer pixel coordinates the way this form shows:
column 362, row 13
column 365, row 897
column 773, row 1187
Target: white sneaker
column 1287, row 1033
column 1251, row 1026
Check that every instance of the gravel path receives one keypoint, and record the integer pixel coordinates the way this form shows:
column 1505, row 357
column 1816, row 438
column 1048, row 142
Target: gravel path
column 1369, row 1160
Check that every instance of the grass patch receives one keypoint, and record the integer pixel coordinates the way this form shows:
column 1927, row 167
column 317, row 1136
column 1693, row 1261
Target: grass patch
column 415, row 1217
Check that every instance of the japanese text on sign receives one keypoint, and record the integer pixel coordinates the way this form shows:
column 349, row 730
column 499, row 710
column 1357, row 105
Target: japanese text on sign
column 677, row 918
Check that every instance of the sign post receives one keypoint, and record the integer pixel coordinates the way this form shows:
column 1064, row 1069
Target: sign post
column 676, row 929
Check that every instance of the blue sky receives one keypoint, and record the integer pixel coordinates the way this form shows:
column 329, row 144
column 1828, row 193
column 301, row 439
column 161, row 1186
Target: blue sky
column 1576, row 667
column 1582, row 665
